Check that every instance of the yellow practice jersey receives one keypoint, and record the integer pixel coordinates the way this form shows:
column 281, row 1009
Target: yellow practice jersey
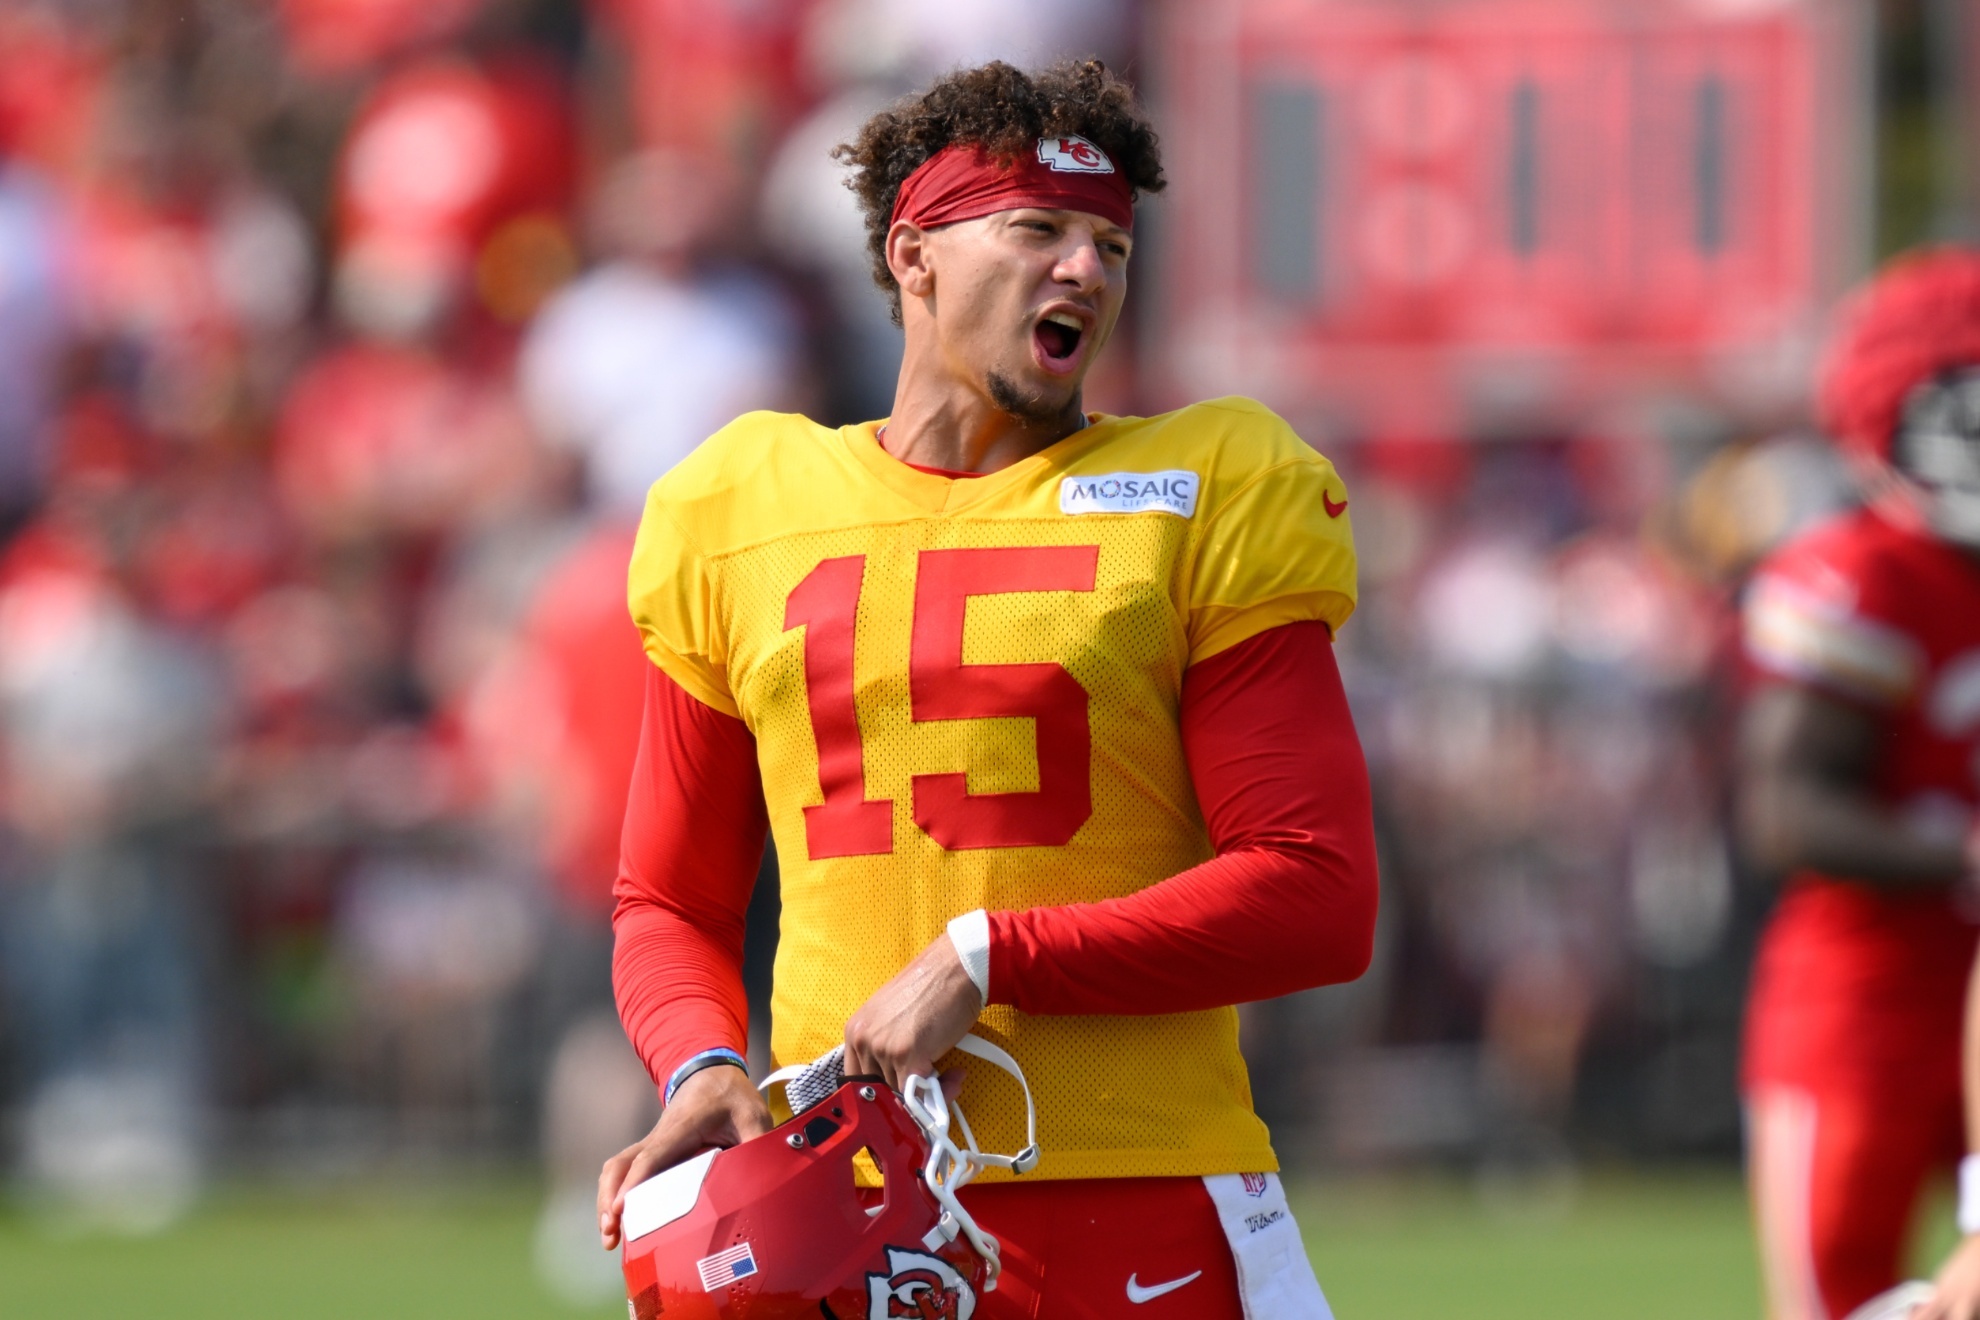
column 965, row 693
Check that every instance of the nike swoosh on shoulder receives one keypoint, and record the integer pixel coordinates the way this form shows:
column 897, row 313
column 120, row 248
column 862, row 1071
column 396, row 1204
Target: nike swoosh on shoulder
column 1138, row 1294
column 1333, row 510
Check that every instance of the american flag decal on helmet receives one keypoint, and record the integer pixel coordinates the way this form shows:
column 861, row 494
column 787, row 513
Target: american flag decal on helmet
column 726, row 1267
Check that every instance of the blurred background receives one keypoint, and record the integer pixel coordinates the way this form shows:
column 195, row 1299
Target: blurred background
column 340, row 340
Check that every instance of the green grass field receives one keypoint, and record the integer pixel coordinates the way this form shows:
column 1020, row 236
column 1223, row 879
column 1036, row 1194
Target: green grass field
column 1625, row 1247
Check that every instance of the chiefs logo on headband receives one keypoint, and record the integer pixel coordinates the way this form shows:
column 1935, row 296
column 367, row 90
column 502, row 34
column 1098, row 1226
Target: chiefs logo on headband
column 962, row 182
column 1073, row 155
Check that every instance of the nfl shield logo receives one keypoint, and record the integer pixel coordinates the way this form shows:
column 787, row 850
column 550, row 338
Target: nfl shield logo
column 1254, row 1183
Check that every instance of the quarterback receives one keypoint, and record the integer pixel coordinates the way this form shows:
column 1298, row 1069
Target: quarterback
column 1041, row 709
column 1861, row 779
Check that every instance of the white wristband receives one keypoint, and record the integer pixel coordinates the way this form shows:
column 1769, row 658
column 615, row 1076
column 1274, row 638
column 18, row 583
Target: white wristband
column 970, row 933
column 1969, row 1194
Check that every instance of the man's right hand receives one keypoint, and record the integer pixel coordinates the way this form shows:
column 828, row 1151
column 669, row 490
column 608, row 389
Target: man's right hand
column 717, row 1107
column 1957, row 1289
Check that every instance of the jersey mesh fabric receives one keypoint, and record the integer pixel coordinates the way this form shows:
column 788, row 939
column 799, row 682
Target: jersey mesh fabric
column 733, row 532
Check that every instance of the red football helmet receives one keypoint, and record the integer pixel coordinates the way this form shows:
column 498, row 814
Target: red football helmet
column 1901, row 388
column 777, row 1228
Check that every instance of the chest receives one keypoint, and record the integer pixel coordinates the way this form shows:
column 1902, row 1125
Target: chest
column 991, row 680
column 938, row 693
column 954, row 614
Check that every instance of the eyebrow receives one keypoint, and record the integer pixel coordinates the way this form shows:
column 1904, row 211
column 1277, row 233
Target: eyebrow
column 1105, row 231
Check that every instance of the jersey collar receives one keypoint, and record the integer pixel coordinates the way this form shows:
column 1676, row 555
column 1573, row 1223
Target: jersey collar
column 936, row 494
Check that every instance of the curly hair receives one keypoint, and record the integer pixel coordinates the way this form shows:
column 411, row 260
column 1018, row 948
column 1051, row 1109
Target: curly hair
column 1003, row 110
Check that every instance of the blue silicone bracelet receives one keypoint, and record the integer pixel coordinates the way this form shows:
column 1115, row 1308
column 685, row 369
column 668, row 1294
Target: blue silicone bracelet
column 705, row 1059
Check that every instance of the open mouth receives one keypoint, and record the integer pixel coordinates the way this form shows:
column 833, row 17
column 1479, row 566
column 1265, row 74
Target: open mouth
column 1058, row 337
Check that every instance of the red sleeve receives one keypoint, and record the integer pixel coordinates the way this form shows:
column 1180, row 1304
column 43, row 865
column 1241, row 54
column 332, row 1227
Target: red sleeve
column 695, row 824
column 1289, row 901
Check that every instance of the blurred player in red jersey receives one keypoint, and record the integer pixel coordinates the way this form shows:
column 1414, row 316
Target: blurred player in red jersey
column 1861, row 769
column 1042, row 708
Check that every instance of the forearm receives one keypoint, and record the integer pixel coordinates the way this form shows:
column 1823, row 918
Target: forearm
column 1799, row 822
column 1247, row 925
column 679, row 991
column 694, row 833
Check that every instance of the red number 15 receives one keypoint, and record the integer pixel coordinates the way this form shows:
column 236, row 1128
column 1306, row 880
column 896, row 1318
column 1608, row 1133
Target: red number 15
column 942, row 687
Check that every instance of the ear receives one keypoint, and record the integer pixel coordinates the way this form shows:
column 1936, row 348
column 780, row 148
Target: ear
column 909, row 259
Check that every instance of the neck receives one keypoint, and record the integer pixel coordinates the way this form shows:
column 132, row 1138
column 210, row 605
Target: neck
column 941, row 421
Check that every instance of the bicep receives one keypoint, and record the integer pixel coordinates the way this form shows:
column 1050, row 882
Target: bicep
column 1271, row 744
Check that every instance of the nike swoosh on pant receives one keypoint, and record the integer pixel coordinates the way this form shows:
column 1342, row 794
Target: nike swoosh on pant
column 1138, row 1294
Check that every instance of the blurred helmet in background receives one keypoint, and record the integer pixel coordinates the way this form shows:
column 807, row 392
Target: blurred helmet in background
column 1901, row 388
column 455, row 177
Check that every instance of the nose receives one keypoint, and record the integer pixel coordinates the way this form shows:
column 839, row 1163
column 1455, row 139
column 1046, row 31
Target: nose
column 1080, row 266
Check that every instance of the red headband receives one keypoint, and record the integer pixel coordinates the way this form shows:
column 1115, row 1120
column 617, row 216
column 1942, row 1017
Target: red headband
column 961, row 182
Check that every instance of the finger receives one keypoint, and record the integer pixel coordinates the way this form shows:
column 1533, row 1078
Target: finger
column 612, row 1222
column 913, row 1068
column 664, row 1149
column 857, row 1062
column 610, row 1178
column 639, row 1163
column 651, row 1159
column 952, row 1083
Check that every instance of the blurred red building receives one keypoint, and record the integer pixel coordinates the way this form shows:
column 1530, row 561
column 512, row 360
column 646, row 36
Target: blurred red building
column 1442, row 213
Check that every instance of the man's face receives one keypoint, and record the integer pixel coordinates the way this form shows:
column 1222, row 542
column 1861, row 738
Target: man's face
column 1938, row 448
column 1024, row 301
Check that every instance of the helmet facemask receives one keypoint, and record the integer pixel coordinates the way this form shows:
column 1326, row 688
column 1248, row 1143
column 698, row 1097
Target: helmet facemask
column 1936, row 452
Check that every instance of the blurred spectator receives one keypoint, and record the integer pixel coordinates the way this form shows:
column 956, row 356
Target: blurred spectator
column 813, row 222
column 555, row 723
column 644, row 357
column 110, row 730
column 453, row 193
column 628, row 369
column 1533, row 680
column 719, row 79
column 34, row 312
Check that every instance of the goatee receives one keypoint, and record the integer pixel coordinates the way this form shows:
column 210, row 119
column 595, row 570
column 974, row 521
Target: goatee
column 1031, row 409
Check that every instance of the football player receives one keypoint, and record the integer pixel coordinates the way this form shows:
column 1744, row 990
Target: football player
column 1860, row 780
column 1041, row 708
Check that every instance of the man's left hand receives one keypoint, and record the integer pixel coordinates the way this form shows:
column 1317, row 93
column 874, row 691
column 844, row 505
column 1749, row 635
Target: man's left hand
column 914, row 1019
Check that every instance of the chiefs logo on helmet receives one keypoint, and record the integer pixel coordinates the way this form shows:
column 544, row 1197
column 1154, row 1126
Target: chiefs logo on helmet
column 921, row 1287
column 1073, row 155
